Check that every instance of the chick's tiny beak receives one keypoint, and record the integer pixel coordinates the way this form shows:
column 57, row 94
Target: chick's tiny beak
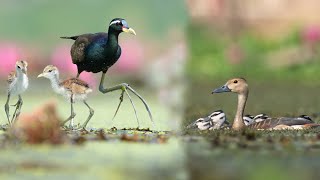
column 24, row 71
column 40, row 75
column 222, row 89
column 128, row 30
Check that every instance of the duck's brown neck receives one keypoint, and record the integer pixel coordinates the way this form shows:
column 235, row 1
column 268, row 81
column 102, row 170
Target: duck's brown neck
column 238, row 123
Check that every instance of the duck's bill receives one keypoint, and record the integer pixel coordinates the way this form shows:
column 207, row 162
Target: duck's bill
column 221, row 89
column 40, row 75
column 128, row 30
column 192, row 126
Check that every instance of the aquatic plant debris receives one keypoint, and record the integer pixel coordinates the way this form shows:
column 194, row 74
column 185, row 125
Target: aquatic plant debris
column 79, row 137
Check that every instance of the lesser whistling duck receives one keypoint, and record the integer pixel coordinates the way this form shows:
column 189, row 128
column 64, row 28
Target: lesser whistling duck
column 240, row 86
column 17, row 84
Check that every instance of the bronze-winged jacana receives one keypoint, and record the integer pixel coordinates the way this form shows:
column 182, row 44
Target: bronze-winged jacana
column 97, row 52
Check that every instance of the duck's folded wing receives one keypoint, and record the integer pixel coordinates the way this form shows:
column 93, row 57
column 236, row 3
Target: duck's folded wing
column 294, row 121
column 284, row 121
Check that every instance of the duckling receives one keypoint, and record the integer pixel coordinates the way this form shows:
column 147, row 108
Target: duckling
column 73, row 89
column 240, row 86
column 260, row 117
column 17, row 84
column 248, row 119
column 305, row 117
column 215, row 120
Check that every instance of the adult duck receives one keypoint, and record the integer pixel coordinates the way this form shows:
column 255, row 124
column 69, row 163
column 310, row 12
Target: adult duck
column 240, row 86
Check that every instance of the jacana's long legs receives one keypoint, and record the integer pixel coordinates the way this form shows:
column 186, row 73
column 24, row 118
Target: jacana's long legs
column 124, row 87
column 121, row 100
column 72, row 115
column 6, row 108
column 90, row 115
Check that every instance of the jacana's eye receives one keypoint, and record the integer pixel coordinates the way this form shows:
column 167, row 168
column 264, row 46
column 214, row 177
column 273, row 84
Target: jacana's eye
column 19, row 67
column 50, row 70
column 235, row 81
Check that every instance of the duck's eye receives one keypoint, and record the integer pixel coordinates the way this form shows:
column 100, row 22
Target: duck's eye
column 235, row 81
column 19, row 67
column 50, row 70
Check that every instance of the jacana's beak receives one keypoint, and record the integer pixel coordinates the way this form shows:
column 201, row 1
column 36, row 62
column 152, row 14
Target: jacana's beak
column 222, row 89
column 40, row 75
column 128, row 30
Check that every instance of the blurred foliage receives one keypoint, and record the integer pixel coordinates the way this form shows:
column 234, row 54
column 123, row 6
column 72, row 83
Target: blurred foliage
column 208, row 56
column 45, row 21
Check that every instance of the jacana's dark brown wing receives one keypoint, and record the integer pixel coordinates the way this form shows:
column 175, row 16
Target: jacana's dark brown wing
column 79, row 46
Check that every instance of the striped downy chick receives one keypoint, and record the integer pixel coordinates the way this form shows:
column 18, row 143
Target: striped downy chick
column 74, row 89
column 17, row 84
column 218, row 119
column 215, row 120
column 305, row 117
column 260, row 117
column 248, row 119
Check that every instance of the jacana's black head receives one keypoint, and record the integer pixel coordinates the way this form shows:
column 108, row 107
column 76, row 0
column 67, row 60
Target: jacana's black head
column 120, row 25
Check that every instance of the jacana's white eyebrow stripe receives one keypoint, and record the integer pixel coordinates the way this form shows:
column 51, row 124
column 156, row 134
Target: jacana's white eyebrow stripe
column 114, row 22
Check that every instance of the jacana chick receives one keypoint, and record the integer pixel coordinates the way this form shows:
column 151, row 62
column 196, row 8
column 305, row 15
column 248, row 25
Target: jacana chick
column 74, row 89
column 17, row 84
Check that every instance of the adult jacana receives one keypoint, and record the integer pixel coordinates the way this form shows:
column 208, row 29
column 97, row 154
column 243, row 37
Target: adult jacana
column 97, row 52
